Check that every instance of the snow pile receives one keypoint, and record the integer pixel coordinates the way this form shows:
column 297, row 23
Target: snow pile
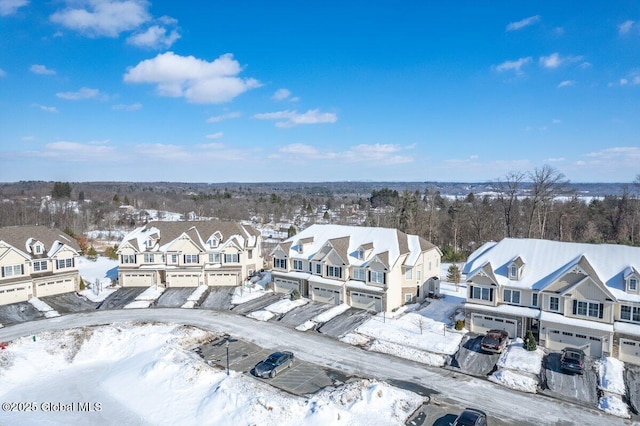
column 355, row 339
column 407, row 352
column 195, row 297
column 518, row 368
column 611, row 383
column 285, row 305
column 146, row 298
column 323, row 317
column 261, row 315
column 98, row 276
column 245, row 293
column 47, row 310
column 149, row 374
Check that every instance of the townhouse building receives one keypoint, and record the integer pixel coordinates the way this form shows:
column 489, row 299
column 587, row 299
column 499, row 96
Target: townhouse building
column 36, row 261
column 366, row 267
column 189, row 254
column 568, row 294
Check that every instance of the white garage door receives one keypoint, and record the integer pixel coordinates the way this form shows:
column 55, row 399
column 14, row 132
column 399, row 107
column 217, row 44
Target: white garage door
column 50, row 288
column 15, row 294
column 183, row 280
column 366, row 301
column 559, row 339
column 280, row 285
column 137, row 280
column 223, row 279
column 629, row 351
column 324, row 295
column 481, row 323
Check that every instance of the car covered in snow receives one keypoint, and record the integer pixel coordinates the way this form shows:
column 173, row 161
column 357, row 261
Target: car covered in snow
column 494, row 341
column 572, row 360
column 274, row 364
column 471, row 417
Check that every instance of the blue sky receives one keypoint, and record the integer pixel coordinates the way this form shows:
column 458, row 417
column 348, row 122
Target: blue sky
column 251, row 91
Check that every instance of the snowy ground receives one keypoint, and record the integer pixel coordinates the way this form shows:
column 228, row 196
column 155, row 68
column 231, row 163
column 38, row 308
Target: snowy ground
column 518, row 368
column 195, row 296
column 148, row 374
column 98, row 276
column 41, row 306
column 611, row 383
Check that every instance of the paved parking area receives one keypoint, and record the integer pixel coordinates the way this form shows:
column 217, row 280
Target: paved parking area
column 568, row 386
column 303, row 378
column 345, row 323
column 18, row 312
column 174, row 297
column 258, row 303
column 68, row 303
column 219, row 298
column 303, row 313
column 438, row 413
column 121, row 297
column 632, row 380
column 472, row 360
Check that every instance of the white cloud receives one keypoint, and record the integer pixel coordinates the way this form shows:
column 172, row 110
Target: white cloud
column 585, row 65
column 41, row 69
column 566, row 83
column 191, row 153
column 74, row 151
column 155, row 37
column 514, row 26
column 633, row 79
column 127, row 107
column 2, row 73
column 379, row 154
column 288, row 119
column 513, row 65
column 83, row 93
column 281, row 94
column 106, row 18
column 45, row 108
column 554, row 160
column 196, row 80
column 621, row 152
column 223, row 117
column 625, row 27
column 217, row 135
column 9, row 7
column 555, row 60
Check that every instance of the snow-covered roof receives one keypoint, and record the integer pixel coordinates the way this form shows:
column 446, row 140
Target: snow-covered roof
column 360, row 285
column 561, row 319
column 546, row 261
column 626, row 328
column 347, row 239
column 505, row 309
column 23, row 238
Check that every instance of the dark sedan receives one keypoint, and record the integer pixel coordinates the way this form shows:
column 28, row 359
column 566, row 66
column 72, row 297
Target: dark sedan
column 274, row 364
column 471, row 417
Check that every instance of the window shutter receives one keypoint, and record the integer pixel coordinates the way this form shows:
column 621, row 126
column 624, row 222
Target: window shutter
column 471, row 291
column 384, row 278
column 2, row 271
column 490, row 295
column 575, row 307
column 22, row 273
column 601, row 313
column 368, row 275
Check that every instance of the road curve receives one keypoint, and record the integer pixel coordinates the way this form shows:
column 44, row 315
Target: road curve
column 507, row 405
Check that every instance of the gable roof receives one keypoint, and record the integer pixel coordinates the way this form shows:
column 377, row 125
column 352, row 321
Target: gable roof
column 21, row 236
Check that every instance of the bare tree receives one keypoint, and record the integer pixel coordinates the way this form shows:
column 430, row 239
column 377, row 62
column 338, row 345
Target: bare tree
column 420, row 322
column 508, row 189
column 547, row 183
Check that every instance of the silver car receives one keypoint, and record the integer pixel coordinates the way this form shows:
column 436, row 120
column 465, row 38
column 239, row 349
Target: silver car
column 274, row 364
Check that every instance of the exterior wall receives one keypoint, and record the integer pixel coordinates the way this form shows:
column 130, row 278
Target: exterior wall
column 589, row 291
column 394, row 289
column 493, row 302
column 607, row 314
column 543, row 300
column 14, row 258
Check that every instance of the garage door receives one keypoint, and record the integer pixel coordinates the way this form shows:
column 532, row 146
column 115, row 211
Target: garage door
column 280, row 285
column 137, row 280
column 49, row 288
column 324, row 295
column 223, row 279
column 629, row 351
column 559, row 339
column 183, row 280
column 481, row 323
column 366, row 301
column 15, row 293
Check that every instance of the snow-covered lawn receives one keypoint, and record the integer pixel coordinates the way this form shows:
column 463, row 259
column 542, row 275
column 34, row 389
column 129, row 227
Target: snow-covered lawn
column 243, row 294
column 148, row 373
column 613, row 404
column 517, row 358
column 195, row 296
column 41, row 306
column 611, row 382
column 515, row 380
column 97, row 276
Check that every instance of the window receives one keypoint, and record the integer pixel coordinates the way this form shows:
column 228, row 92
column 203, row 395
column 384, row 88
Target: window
column 214, row 257
column 250, row 254
column 408, row 274
column 408, row 298
column 482, row 293
column 174, row 258
column 360, row 253
column 630, row 313
column 297, row 264
column 191, row 258
column 38, row 249
column 232, row 258
column 149, row 243
column 534, row 299
column 513, row 271
column 376, row 277
column 586, row 309
column 127, row 258
column 40, row 265
column 359, row 274
column 148, row 258
column 334, row 271
column 213, row 243
column 68, row 263
column 418, row 275
column 12, row 270
column 511, row 296
column 280, row 263
column 554, row 303
column 319, row 268
column 633, row 284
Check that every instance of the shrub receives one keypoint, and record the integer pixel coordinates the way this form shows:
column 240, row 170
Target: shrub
column 82, row 286
column 295, row 294
column 92, row 254
column 111, row 252
column 530, row 343
column 459, row 324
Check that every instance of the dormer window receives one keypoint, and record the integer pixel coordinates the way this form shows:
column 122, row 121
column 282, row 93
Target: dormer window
column 300, row 246
column 513, row 272
column 360, row 253
column 213, row 243
column 149, row 243
column 37, row 249
column 633, row 284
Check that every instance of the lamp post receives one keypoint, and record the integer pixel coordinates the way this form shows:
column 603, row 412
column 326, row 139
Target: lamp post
column 227, row 345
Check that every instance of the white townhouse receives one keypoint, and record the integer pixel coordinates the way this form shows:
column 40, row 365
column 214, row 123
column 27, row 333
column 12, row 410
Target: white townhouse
column 569, row 294
column 188, row 254
column 369, row 268
column 36, row 261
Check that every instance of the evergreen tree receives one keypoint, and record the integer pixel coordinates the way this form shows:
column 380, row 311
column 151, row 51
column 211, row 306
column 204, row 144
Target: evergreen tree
column 530, row 341
column 453, row 274
column 292, row 231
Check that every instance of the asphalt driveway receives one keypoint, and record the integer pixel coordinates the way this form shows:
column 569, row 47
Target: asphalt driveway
column 258, row 303
column 345, row 323
column 219, row 298
column 121, row 297
column 568, row 386
column 174, row 297
column 632, row 380
column 18, row 312
column 303, row 313
column 472, row 360
column 67, row 303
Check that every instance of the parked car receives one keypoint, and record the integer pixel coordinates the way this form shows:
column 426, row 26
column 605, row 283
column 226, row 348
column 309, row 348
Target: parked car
column 572, row 360
column 494, row 341
column 274, row 364
column 471, row 417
